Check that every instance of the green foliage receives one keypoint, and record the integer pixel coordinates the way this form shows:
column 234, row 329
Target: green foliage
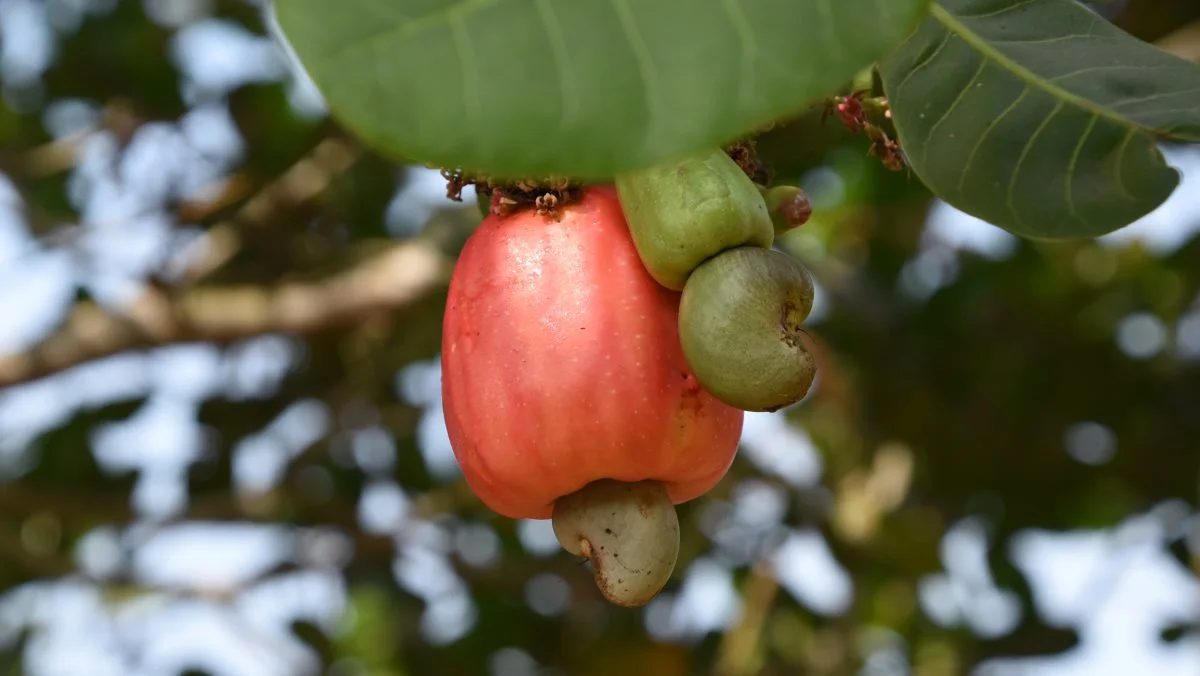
column 977, row 381
column 1040, row 117
column 586, row 88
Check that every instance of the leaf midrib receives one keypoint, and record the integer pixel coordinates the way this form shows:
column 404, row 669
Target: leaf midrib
column 983, row 47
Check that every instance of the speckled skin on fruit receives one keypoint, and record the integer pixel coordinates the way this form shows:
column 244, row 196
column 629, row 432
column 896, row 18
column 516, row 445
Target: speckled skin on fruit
column 561, row 365
column 683, row 212
column 740, row 325
column 630, row 533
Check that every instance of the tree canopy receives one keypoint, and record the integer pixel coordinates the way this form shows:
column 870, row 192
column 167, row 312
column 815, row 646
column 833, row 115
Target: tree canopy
column 222, row 448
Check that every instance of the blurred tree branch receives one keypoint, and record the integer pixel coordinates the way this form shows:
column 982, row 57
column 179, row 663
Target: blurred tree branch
column 389, row 280
column 740, row 651
column 21, row 500
column 1183, row 42
column 303, row 181
column 306, row 179
column 82, row 510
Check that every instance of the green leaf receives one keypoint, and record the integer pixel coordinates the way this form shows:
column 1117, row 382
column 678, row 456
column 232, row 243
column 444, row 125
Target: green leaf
column 1039, row 116
column 582, row 88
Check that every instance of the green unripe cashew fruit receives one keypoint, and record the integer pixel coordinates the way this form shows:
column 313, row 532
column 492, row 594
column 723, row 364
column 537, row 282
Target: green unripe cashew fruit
column 683, row 212
column 739, row 325
column 788, row 205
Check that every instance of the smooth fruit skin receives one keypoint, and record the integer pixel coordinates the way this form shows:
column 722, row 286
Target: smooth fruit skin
column 686, row 211
column 740, row 325
column 561, row 365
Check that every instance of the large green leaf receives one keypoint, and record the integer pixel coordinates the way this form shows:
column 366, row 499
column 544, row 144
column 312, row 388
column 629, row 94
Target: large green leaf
column 1039, row 116
column 584, row 88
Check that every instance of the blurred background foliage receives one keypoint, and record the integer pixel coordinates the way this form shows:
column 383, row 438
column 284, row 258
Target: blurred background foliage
column 221, row 445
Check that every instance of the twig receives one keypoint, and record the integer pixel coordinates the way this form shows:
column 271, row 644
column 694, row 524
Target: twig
column 739, row 652
column 390, row 280
column 303, row 181
column 1183, row 42
column 51, row 158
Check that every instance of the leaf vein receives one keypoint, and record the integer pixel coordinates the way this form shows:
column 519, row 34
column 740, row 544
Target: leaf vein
column 829, row 31
column 1160, row 95
column 467, row 68
column 917, row 67
column 1112, row 66
column 1055, row 39
column 562, row 64
column 1016, row 172
column 1069, row 187
column 641, row 55
column 445, row 14
column 749, row 48
column 1119, row 162
column 1000, row 11
column 955, row 26
column 953, row 105
column 986, row 133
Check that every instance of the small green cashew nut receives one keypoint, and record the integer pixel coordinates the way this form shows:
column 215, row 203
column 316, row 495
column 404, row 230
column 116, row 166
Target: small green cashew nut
column 740, row 320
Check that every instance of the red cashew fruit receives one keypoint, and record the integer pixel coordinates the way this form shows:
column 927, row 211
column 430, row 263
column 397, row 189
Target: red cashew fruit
column 567, row 395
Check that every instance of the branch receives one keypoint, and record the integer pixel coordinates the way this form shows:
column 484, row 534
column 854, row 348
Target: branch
column 1183, row 42
column 740, row 650
column 303, row 181
column 389, row 281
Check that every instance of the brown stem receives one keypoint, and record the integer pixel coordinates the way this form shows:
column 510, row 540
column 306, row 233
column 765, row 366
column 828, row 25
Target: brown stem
column 393, row 279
